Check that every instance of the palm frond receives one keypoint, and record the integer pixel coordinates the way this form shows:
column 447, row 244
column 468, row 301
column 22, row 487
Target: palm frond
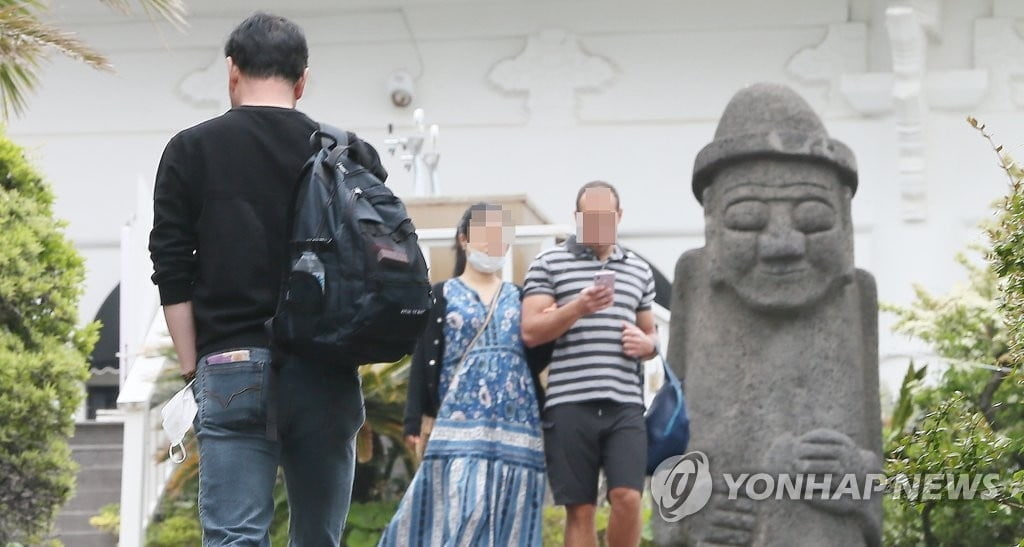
column 172, row 11
column 21, row 29
column 25, row 5
column 24, row 42
column 16, row 81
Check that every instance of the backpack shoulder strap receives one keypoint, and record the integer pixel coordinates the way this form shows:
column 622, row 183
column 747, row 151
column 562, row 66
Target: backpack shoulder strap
column 328, row 137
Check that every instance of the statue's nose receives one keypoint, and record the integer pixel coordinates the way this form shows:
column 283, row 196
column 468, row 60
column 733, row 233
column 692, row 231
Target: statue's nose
column 780, row 242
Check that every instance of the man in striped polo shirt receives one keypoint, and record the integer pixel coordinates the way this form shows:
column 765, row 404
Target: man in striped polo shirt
column 593, row 417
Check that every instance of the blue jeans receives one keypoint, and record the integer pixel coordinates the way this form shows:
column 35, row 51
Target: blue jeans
column 319, row 411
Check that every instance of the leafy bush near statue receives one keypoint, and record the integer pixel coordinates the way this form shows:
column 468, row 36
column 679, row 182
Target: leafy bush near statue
column 972, row 420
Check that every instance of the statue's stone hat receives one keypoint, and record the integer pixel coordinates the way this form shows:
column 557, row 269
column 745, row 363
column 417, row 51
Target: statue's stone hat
column 770, row 120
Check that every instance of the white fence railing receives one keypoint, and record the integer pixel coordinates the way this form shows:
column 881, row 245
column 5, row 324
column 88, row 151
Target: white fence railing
column 142, row 477
column 138, row 299
column 142, row 330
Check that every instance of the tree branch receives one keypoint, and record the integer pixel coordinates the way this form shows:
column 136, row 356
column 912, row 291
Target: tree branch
column 926, row 526
column 13, row 320
column 987, row 394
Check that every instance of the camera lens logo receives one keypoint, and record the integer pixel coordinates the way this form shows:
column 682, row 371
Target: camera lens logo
column 681, row 485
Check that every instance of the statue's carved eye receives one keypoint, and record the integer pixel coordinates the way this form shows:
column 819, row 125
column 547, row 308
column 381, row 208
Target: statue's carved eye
column 748, row 215
column 813, row 216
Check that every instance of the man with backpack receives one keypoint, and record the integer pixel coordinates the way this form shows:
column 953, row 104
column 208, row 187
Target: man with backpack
column 220, row 249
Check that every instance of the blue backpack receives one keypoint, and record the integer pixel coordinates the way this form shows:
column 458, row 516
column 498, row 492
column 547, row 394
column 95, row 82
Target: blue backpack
column 668, row 426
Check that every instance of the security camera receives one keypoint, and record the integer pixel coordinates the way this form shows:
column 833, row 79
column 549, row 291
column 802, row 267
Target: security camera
column 401, row 88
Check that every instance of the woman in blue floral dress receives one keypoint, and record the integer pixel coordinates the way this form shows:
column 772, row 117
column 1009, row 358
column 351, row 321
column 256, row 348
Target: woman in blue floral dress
column 482, row 478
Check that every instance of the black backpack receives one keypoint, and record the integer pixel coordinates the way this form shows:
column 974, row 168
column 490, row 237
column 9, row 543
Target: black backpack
column 369, row 298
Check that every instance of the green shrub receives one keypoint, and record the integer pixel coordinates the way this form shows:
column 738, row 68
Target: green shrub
column 951, row 437
column 177, row 531
column 108, row 520
column 367, row 521
column 1007, row 254
column 43, row 353
column 971, row 421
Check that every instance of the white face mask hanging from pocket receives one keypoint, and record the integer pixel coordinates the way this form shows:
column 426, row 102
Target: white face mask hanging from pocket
column 178, row 414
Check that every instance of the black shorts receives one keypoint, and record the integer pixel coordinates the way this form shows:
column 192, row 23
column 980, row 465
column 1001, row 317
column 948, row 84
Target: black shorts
column 580, row 439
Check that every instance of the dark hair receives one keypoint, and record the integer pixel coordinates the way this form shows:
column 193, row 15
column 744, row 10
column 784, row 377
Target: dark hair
column 597, row 184
column 462, row 228
column 268, row 46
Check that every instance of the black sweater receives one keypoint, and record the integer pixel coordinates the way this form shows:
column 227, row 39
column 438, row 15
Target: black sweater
column 425, row 370
column 219, row 234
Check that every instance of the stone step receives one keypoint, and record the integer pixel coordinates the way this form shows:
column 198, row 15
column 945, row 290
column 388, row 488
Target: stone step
column 87, row 455
column 97, row 448
column 89, row 433
column 92, row 500
column 73, row 521
column 99, row 477
column 88, row 539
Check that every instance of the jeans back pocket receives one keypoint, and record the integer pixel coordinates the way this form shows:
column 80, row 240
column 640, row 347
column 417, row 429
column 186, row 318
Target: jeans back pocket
column 233, row 396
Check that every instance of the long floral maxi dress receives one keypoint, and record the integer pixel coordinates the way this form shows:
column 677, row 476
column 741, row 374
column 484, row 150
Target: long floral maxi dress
column 482, row 477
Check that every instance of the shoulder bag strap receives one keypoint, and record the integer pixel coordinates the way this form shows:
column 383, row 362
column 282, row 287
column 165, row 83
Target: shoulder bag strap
column 670, row 375
column 479, row 333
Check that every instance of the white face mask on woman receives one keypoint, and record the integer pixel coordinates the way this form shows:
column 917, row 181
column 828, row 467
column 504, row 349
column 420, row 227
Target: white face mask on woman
column 483, row 262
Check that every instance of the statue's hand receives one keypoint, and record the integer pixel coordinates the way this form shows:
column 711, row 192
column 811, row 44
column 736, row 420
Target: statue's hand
column 729, row 521
column 835, row 460
column 827, row 452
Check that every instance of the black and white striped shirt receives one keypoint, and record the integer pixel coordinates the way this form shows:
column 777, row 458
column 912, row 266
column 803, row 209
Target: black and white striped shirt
column 588, row 362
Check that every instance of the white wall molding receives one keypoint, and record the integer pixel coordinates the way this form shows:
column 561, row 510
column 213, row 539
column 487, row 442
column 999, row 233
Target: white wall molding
column 910, row 91
column 1008, row 8
column 909, row 48
column 843, row 50
column 551, row 70
column 929, row 16
column 999, row 47
column 207, row 87
column 372, row 20
column 959, row 90
column 870, row 93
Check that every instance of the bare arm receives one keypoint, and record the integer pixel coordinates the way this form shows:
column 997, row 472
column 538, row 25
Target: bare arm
column 645, row 320
column 182, row 327
column 641, row 341
column 543, row 322
column 539, row 327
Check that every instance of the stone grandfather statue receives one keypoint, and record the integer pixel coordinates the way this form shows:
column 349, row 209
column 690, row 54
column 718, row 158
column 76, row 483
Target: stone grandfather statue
column 775, row 333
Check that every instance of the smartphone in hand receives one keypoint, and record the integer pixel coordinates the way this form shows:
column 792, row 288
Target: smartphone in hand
column 605, row 278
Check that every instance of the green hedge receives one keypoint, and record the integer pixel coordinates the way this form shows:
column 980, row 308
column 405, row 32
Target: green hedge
column 43, row 353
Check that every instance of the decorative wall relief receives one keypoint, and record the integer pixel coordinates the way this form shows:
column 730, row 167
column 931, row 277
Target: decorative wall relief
column 929, row 15
column 909, row 55
column 552, row 70
column 999, row 47
column 207, row 87
column 842, row 51
column 910, row 90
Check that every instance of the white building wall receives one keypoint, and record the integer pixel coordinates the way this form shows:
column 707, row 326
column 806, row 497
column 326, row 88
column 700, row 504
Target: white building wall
column 538, row 97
